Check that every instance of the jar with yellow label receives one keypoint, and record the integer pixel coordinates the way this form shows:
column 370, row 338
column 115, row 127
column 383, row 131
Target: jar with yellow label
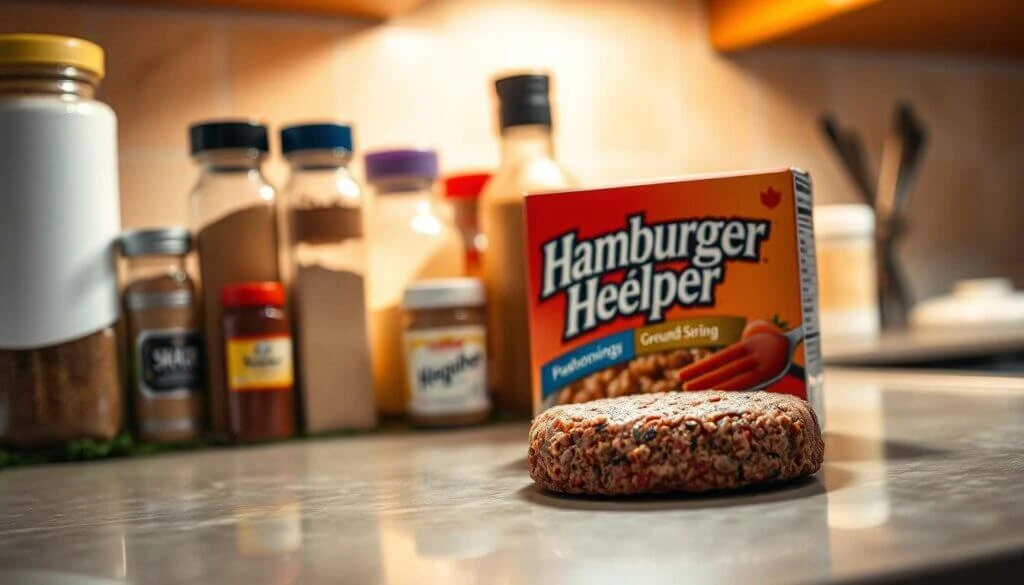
column 446, row 352
column 258, row 355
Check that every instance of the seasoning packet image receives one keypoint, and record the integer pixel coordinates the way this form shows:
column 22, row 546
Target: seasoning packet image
column 678, row 285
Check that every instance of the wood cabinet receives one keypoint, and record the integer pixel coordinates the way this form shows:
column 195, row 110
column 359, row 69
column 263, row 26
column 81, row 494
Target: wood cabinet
column 994, row 27
column 361, row 8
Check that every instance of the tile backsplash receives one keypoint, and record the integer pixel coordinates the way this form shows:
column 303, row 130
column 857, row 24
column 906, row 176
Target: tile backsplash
column 638, row 91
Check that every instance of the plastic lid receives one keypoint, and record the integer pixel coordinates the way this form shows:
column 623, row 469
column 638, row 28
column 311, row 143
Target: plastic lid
column 252, row 294
column 444, row 292
column 327, row 136
column 844, row 221
column 168, row 241
column 224, row 134
column 40, row 49
column 523, row 99
column 407, row 162
column 468, row 185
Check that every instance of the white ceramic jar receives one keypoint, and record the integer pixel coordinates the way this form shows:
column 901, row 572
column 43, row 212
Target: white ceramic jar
column 847, row 280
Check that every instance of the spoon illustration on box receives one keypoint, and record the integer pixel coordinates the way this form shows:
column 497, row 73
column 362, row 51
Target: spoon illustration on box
column 761, row 358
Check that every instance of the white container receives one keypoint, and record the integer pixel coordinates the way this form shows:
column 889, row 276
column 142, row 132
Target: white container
column 847, row 281
column 59, row 205
column 59, row 222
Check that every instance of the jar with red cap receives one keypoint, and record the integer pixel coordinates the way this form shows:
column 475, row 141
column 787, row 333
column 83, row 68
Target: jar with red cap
column 258, row 362
column 463, row 191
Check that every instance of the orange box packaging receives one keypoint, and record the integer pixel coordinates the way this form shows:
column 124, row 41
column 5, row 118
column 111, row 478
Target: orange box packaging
column 678, row 285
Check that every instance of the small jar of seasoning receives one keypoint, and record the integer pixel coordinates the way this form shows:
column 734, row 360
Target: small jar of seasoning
column 446, row 352
column 165, row 357
column 258, row 362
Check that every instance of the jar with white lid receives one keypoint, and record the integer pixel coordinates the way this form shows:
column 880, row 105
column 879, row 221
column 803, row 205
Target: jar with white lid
column 59, row 221
column 847, row 279
column 446, row 352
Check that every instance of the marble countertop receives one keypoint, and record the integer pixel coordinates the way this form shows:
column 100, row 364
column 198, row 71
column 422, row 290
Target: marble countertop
column 923, row 476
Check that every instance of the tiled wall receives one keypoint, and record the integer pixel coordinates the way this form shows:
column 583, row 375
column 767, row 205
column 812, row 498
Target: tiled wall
column 639, row 93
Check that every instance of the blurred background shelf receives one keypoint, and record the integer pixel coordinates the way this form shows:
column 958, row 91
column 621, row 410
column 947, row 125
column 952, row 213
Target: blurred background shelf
column 990, row 27
column 363, row 8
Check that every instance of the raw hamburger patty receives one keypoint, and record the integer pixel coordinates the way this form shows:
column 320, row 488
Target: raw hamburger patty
column 676, row 441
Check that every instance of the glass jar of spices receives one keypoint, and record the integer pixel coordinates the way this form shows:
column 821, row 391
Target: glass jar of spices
column 165, row 349
column 258, row 362
column 411, row 238
column 446, row 352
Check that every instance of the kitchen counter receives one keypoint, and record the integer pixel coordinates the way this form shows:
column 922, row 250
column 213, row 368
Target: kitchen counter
column 923, row 474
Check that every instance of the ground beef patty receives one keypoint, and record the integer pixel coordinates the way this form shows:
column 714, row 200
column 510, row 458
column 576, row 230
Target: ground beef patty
column 675, row 441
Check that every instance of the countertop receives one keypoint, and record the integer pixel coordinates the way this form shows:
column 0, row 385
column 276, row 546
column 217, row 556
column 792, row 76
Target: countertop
column 924, row 475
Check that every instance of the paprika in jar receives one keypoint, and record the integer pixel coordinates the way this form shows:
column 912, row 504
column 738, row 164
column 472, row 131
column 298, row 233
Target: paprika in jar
column 258, row 356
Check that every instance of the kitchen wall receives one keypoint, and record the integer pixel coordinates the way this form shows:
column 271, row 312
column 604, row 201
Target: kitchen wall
column 638, row 93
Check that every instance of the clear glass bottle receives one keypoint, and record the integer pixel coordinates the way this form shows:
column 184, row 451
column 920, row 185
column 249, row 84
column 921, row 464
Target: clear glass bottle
column 164, row 346
column 233, row 217
column 60, row 375
column 411, row 238
column 527, row 164
column 327, row 259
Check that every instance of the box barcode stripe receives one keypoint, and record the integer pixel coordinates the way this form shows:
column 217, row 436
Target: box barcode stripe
column 808, row 273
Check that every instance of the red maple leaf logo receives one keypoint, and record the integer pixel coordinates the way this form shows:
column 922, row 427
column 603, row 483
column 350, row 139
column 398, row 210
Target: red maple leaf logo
column 771, row 198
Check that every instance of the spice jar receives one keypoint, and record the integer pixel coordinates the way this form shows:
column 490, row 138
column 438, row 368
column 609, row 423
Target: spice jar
column 234, row 220
column 258, row 362
column 847, row 281
column 165, row 348
column 446, row 352
column 463, row 191
column 328, row 263
column 411, row 238
column 59, row 222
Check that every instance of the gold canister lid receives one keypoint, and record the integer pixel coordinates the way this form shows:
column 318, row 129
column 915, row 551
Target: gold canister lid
column 42, row 49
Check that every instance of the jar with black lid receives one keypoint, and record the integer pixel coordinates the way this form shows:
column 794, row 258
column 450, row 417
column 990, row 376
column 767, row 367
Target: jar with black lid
column 258, row 362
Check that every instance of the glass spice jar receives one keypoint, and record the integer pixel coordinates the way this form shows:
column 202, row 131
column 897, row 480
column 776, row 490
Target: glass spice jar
column 165, row 349
column 411, row 237
column 234, row 220
column 258, row 362
column 446, row 352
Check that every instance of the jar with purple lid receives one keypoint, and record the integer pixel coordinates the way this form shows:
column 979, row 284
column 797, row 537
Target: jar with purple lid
column 411, row 238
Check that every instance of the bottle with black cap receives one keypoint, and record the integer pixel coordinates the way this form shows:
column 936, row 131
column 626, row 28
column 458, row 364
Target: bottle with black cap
column 233, row 217
column 527, row 164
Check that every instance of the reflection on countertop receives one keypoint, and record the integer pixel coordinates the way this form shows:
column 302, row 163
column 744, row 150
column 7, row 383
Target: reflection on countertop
column 922, row 472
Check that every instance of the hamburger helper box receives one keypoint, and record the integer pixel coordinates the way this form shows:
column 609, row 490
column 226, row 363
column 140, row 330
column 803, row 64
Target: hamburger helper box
column 683, row 284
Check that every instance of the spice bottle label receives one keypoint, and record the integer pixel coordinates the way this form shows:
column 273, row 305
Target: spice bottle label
column 259, row 363
column 447, row 370
column 169, row 361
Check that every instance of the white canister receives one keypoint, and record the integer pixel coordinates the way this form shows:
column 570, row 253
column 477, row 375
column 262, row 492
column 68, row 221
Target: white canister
column 847, row 281
column 59, row 206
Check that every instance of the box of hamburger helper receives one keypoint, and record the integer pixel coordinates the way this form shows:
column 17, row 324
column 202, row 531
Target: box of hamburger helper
column 683, row 284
